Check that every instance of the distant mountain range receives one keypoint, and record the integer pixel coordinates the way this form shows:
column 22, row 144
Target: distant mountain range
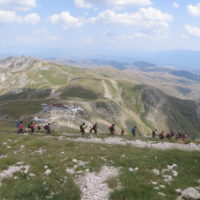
column 182, row 59
column 140, row 65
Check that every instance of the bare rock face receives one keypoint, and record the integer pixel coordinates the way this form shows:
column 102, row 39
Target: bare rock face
column 190, row 193
column 15, row 64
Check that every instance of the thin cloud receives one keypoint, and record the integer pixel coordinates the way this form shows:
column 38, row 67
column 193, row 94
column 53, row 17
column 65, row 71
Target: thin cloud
column 113, row 3
column 12, row 17
column 17, row 4
column 66, row 20
column 194, row 9
column 192, row 31
column 82, row 4
column 175, row 5
column 149, row 18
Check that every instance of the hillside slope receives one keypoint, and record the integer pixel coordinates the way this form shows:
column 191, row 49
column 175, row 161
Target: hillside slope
column 105, row 97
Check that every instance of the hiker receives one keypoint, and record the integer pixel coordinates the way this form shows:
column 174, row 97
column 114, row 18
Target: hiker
column 122, row 132
column 20, row 128
column 133, row 130
column 39, row 128
column 17, row 126
column 181, row 136
column 162, row 135
column 184, row 136
column 170, row 134
column 32, row 127
column 82, row 128
column 112, row 129
column 154, row 133
column 93, row 128
column 48, row 128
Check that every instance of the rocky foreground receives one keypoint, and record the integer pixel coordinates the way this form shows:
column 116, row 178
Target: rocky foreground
column 56, row 167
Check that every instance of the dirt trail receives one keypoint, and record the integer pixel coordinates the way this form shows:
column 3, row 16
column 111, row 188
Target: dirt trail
column 137, row 143
column 107, row 93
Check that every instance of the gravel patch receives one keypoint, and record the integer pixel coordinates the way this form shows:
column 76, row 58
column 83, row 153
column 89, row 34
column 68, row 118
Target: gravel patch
column 40, row 151
column 12, row 169
column 93, row 185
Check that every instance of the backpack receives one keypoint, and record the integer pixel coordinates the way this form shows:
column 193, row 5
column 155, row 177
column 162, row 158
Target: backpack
column 17, row 125
column 32, row 125
column 20, row 126
column 111, row 128
column 132, row 130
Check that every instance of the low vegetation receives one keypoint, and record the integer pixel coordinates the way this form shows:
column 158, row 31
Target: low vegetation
column 50, row 157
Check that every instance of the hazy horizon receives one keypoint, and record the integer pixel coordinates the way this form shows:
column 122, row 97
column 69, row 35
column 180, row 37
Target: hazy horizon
column 91, row 28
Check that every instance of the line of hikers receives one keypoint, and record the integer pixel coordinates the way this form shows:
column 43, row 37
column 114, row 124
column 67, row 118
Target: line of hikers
column 162, row 135
column 83, row 127
column 171, row 134
column 32, row 126
column 111, row 129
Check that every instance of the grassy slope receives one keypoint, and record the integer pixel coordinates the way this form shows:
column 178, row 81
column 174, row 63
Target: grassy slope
column 90, row 86
column 180, row 115
column 18, row 108
column 134, row 185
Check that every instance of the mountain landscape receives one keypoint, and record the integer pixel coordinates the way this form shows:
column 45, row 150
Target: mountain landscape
column 99, row 100
column 161, row 98
column 65, row 165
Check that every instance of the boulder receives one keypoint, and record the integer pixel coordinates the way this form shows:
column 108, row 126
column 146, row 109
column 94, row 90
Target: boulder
column 190, row 193
column 47, row 172
column 174, row 173
column 154, row 183
column 162, row 194
column 178, row 191
column 162, row 186
column 156, row 171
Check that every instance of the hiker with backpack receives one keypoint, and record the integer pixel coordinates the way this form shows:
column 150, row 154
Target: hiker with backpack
column 112, row 129
column 133, row 131
column 122, row 132
column 32, row 126
column 47, row 127
column 154, row 133
column 93, row 128
column 20, row 128
column 181, row 136
column 162, row 135
column 82, row 128
column 39, row 128
column 171, row 133
column 17, row 125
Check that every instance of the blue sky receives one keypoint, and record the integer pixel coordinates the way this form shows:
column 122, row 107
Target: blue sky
column 81, row 28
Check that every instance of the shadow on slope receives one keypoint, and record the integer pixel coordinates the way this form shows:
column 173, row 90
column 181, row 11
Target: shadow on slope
column 26, row 93
column 181, row 115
